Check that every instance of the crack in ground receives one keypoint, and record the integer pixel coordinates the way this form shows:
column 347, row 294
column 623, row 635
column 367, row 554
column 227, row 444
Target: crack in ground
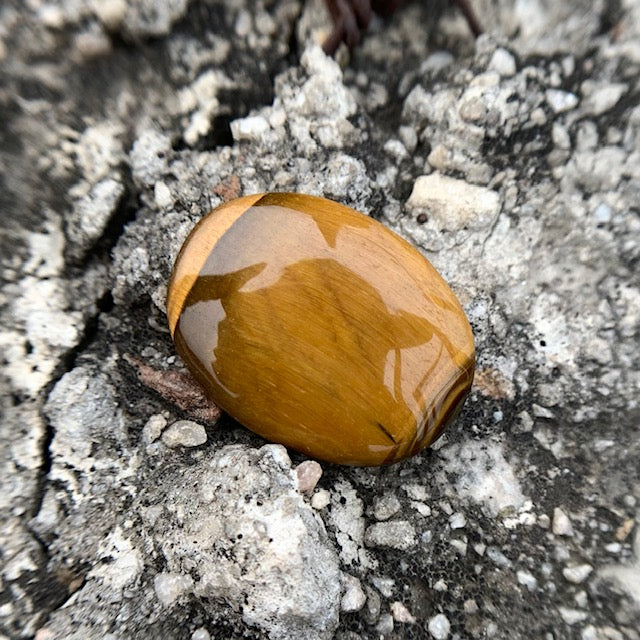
column 68, row 361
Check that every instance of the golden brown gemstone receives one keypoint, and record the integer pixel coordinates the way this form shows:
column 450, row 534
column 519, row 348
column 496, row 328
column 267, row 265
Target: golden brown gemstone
column 317, row 327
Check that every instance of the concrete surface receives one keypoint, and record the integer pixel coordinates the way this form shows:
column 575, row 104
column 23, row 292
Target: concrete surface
column 513, row 162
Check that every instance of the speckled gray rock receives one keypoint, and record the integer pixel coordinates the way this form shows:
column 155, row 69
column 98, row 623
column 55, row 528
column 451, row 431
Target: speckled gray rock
column 79, row 394
column 184, row 433
column 396, row 534
column 212, row 546
column 267, row 556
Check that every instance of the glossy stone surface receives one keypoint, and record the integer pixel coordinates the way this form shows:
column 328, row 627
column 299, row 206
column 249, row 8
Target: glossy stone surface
column 317, row 327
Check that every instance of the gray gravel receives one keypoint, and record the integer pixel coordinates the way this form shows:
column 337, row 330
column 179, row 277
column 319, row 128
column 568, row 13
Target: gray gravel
column 512, row 162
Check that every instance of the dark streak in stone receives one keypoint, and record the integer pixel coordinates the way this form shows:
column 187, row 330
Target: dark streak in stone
column 386, row 433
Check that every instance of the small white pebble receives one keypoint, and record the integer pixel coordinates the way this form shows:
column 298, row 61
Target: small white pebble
column 603, row 443
column 401, row 613
column 308, row 474
column 201, row 634
column 249, row 128
column 243, row 24
column 572, row 616
column 502, row 62
column 439, row 157
column 560, row 136
column 568, row 66
column 436, row 61
column 422, row 508
column 439, row 626
column 265, row 24
column 577, row 573
column 495, row 555
column 376, row 97
column 486, row 80
column 199, row 126
column 89, row 44
column 384, row 585
column 110, row 12
column 396, row 149
column 440, row 585
column 51, row 16
column 459, row 545
column 602, row 213
column 320, row 499
column 277, row 118
column 561, row 525
column 162, row 195
column 409, row 138
column 353, row 598
column 386, row 506
column 153, row 428
column 538, row 117
column 599, row 99
column 561, row 101
column 416, row 492
column 170, row 586
column 385, row 624
column 527, row 580
column 470, row 607
column 184, row 433
column 457, row 520
column 446, row 507
column 541, row 412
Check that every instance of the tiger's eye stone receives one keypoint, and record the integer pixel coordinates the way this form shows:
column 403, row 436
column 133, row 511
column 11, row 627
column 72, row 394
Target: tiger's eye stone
column 317, row 327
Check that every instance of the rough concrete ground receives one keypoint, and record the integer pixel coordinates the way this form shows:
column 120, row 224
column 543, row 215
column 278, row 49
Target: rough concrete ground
column 512, row 162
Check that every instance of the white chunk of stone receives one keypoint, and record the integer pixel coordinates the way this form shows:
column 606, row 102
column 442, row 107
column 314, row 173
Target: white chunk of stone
column 162, row 195
column 153, row 428
column 561, row 101
column 400, row 613
column 308, row 473
column 453, row 204
column 184, row 433
column 572, row 616
column 321, row 499
column 386, row 506
column 353, row 598
column 439, row 626
column 170, row 586
column 397, row 534
column 249, row 128
column 457, row 520
column 502, row 62
column 561, row 525
column 577, row 573
column 527, row 579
